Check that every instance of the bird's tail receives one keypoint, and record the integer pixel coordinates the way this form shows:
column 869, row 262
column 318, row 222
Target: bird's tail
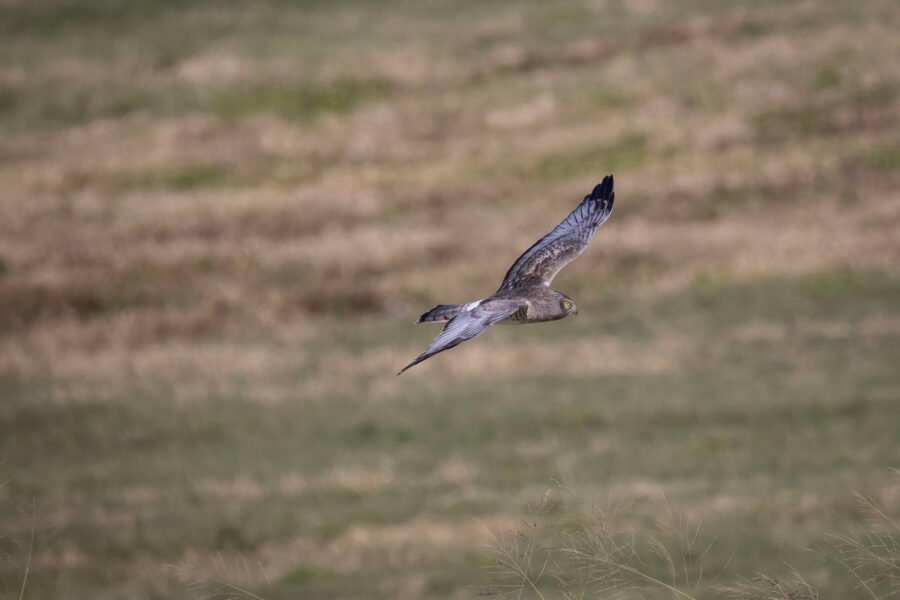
column 441, row 312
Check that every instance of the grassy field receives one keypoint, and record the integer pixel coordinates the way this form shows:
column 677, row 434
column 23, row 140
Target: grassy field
column 218, row 221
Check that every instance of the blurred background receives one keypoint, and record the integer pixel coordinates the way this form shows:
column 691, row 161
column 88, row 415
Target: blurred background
column 219, row 220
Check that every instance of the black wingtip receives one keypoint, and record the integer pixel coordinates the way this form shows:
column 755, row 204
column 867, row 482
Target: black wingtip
column 412, row 364
column 604, row 190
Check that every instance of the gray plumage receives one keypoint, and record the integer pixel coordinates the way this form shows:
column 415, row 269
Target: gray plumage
column 525, row 295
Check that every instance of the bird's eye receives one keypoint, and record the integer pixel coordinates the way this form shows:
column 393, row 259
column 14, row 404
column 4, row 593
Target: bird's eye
column 567, row 303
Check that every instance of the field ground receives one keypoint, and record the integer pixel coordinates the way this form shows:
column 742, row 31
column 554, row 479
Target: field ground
column 219, row 220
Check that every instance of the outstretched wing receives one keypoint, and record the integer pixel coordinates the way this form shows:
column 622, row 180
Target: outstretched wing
column 567, row 240
column 467, row 325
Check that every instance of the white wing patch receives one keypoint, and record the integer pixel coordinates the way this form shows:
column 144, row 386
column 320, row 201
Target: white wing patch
column 467, row 325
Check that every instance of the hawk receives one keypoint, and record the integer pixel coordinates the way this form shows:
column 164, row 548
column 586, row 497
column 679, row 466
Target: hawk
column 525, row 295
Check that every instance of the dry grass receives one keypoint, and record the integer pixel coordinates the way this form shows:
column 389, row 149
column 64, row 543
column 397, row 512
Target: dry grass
column 594, row 554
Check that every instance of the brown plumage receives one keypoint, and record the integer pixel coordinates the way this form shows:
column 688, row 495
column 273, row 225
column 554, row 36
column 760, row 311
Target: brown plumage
column 525, row 295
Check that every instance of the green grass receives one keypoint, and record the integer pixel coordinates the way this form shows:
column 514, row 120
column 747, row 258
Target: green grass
column 42, row 106
column 296, row 101
column 742, row 422
column 884, row 157
column 623, row 154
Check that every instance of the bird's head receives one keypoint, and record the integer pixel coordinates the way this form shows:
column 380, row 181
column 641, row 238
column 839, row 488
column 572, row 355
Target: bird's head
column 567, row 305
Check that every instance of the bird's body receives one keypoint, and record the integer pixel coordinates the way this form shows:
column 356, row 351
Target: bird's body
column 538, row 304
column 525, row 295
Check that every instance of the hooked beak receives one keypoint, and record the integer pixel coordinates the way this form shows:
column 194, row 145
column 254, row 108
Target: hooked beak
column 575, row 311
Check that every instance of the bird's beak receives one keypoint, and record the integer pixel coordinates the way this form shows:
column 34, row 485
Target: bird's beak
column 575, row 311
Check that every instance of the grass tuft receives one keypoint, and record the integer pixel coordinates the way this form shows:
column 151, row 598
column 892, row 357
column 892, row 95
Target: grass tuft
column 555, row 554
column 594, row 556
column 763, row 587
column 872, row 557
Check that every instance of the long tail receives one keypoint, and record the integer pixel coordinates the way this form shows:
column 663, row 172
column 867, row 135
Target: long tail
column 441, row 312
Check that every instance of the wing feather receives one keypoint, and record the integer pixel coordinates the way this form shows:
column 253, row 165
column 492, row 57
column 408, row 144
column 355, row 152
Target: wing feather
column 566, row 241
column 467, row 325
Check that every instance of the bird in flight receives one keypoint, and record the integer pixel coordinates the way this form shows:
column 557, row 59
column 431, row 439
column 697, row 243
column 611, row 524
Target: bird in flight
column 525, row 295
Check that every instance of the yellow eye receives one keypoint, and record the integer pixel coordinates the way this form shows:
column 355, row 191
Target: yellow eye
column 567, row 304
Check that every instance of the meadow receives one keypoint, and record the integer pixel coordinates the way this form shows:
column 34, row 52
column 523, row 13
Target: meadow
column 219, row 220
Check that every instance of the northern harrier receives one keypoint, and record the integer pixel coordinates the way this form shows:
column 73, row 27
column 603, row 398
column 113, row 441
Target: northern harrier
column 525, row 295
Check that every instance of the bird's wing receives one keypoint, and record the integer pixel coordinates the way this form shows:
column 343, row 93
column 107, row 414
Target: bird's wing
column 567, row 240
column 467, row 325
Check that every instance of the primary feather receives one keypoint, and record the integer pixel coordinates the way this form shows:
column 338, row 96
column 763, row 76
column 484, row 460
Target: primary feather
column 567, row 240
